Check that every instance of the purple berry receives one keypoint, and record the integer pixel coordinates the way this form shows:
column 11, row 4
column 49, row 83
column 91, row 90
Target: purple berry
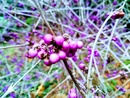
column 82, row 66
column 41, row 54
column 76, row 1
column 89, row 52
column 59, row 40
column 62, row 55
column 20, row 5
column 72, row 95
column 54, row 58
column 87, row 59
column 79, row 44
column 32, row 53
column 115, row 39
column 96, row 53
column 70, row 54
column 73, row 45
column 72, row 90
column 65, row 45
column 48, row 38
column 47, row 62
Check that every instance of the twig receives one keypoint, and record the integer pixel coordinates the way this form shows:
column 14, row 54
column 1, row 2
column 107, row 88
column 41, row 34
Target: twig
column 14, row 46
column 42, row 15
column 72, row 77
column 94, row 46
column 76, row 67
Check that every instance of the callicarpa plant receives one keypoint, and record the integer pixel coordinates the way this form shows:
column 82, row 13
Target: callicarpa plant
column 64, row 49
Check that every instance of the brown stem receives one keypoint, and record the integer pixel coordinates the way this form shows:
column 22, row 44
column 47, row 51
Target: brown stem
column 72, row 77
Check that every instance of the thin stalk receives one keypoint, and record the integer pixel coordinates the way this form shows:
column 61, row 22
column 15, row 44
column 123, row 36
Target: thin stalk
column 42, row 15
column 94, row 46
column 117, row 76
column 100, row 78
column 15, row 17
column 72, row 77
column 14, row 46
column 76, row 67
column 5, row 76
column 109, row 42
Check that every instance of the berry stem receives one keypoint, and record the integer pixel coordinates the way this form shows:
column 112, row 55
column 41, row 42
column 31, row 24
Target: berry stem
column 76, row 67
column 72, row 77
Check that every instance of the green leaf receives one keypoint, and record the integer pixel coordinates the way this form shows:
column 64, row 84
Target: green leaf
column 29, row 21
column 46, row 84
column 114, row 82
column 109, row 88
column 127, row 62
column 46, row 91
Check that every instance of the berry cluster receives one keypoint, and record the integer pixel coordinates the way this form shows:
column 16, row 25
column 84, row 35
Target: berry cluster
column 54, row 48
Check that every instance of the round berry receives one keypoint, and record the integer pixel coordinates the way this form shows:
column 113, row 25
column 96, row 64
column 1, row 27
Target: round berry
column 72, row 90
column 59, row 40
column 72, row 95
column 47, row 62
column 73, row 45
column 62, row 55
column 54, row 58
column 40, row 54
column 65, row 45
column 76, row 1
column 96, row 53
column 48, row 38
column 32, row 53
column 82, row 66
column 70, row 54
column 79, row 44
column 87, row 59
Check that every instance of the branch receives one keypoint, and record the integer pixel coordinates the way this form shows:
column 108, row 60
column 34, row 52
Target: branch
column 72, row 77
